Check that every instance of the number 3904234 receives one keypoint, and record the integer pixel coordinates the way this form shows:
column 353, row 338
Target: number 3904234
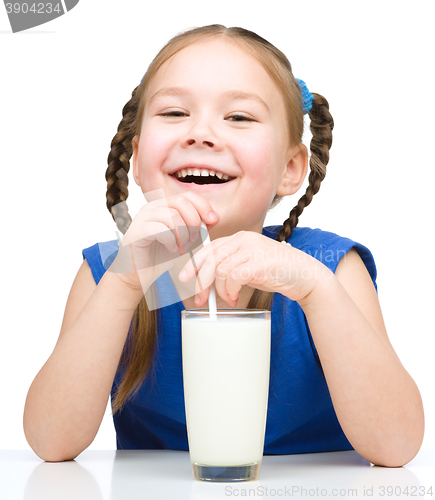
column 35, row 8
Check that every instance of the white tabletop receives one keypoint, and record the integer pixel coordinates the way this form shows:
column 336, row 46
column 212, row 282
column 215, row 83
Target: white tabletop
column 165, row 474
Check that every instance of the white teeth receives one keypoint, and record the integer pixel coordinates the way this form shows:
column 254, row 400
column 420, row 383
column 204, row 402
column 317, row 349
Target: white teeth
column 205, row 173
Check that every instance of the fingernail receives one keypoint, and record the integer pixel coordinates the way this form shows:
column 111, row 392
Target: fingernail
column 194, row 237
column 232, row 297
column 182, row 275
column 197, row 300
column 212, row 216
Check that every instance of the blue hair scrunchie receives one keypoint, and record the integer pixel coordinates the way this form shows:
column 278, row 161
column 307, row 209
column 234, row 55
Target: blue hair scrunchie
column 307, row 97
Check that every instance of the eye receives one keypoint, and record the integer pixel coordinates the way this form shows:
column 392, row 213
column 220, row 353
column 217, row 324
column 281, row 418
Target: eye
column 175, row 114
column 240, row 118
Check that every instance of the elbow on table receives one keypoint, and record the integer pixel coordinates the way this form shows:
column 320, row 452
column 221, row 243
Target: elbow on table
column 393, row 461
column 396, row 444
column 54, row 452
column 396, row 455
column 56, row 455
column 52, row 446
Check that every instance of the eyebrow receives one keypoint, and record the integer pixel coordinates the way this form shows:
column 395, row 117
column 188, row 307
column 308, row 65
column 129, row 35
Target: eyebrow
column 234, row 95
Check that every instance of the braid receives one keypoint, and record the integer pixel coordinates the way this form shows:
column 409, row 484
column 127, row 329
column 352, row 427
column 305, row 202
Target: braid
column 138, row 353
column 119, row 164
column 321, row 127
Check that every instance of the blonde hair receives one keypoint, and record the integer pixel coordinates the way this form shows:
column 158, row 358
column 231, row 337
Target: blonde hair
column 138, row 354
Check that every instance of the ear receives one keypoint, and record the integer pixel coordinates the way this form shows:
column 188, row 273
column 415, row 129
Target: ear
column 295, row 171
column 135, row 144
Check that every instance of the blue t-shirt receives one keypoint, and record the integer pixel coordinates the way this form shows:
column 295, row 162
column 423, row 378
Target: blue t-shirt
column 300, row 415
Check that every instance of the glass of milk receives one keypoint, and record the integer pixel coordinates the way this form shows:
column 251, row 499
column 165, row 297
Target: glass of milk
column 226, row 383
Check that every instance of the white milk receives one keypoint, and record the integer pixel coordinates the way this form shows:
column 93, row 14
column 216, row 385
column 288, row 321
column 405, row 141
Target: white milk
column 226, row 383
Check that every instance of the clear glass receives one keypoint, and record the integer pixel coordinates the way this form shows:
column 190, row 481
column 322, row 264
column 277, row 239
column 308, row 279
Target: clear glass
column 226, row 364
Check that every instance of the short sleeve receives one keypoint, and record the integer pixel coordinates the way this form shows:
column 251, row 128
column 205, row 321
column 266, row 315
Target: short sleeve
column 100, row 256
column 329, row 248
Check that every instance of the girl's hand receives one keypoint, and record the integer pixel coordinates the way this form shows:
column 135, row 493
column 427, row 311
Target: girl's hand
column 249, row 258
column 162, row 231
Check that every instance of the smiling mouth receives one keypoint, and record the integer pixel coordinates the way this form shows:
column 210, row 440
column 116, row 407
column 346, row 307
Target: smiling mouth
column 197, row 179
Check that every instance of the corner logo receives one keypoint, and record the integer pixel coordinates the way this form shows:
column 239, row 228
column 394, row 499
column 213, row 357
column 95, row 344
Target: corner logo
column 28, row 14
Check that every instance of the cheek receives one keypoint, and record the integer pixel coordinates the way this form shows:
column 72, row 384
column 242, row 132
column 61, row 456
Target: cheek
column 153, row 146
column 257, row 158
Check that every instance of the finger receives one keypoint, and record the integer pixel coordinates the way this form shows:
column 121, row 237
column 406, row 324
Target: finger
column 201, row 206
column 194, row 264
column 154, row 212
column 224, row 251
column 201, row 298
column 247, row 273
column 148, row 213
column 223, row 272
column 193, row 210
column 171, row 221
column 204, row 279
column 144, row 233
column 204, row 208
column 202, row 283
column 189, row 216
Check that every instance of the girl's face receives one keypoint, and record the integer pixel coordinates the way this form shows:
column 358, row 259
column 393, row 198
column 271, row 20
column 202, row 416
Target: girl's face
column 213, row 107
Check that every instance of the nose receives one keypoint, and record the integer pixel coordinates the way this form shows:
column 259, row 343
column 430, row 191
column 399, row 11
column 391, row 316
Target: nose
column 207, row 143
column 201, row 135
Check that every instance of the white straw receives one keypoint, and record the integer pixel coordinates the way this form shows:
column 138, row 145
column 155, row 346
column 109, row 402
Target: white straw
column 212, row 309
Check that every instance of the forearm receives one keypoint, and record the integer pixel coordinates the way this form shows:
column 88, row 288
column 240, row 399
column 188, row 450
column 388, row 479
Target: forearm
column 377, row 403
column 67, row 400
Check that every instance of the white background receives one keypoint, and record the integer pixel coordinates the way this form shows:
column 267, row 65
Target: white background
column 63, row 86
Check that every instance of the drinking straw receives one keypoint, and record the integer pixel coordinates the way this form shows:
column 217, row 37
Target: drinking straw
column 212, row 309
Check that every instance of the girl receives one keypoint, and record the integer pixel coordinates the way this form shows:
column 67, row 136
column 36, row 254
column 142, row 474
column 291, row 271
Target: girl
column 222, row 105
